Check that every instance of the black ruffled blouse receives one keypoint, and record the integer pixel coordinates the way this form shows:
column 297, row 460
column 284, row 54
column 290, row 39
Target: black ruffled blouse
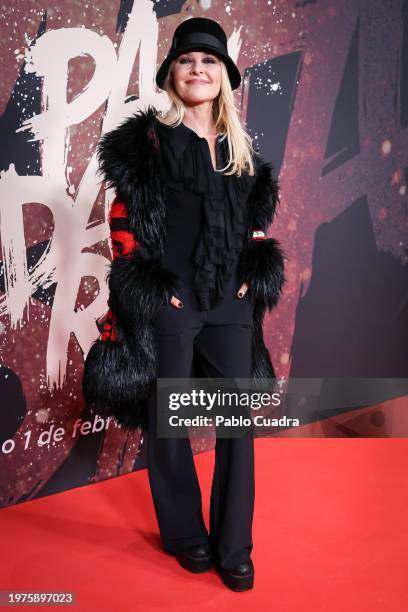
column 206, row 213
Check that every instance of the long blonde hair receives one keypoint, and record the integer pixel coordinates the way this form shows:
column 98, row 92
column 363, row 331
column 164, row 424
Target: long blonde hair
column 227, row 123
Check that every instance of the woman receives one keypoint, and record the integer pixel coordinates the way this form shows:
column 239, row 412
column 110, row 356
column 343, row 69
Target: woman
column 191, row 278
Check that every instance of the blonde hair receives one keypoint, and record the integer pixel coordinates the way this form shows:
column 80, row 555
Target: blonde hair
column 227, row 122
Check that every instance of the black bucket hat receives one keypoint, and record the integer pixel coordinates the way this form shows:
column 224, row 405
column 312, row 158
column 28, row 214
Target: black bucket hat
column 199, row 33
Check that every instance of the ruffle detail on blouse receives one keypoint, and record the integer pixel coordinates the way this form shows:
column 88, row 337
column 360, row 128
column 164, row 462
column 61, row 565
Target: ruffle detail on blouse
column 224, row 232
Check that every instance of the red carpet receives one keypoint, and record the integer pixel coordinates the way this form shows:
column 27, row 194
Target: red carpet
column 330, row 533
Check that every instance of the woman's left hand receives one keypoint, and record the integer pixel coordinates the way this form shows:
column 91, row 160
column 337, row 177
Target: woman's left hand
column 242, row 291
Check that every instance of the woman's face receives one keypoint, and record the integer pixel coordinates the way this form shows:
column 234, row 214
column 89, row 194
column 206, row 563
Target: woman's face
column 197, row 76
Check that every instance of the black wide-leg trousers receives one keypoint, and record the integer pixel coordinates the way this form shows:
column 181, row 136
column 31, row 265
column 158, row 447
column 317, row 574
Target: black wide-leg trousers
column 223, row 337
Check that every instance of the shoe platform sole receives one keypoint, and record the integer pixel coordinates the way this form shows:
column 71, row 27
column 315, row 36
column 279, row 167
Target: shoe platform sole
column 196, row 566
column 235, row 582
column 238, row 584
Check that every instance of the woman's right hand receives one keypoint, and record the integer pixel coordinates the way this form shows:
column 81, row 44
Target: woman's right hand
column 176, row 302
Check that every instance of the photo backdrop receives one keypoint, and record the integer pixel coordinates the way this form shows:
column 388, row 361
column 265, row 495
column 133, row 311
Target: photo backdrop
column 325, row 97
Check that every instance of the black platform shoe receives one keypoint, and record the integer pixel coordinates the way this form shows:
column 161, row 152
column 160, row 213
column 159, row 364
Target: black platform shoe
column 240, row 578
column 195, row 558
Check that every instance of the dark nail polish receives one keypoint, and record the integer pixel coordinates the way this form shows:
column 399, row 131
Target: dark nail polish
column 240, row 295
column 181, row 305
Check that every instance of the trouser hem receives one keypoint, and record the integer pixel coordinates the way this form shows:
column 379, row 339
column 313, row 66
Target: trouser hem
column 176, row 546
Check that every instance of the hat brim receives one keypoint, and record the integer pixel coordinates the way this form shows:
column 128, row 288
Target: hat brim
column 233, row 72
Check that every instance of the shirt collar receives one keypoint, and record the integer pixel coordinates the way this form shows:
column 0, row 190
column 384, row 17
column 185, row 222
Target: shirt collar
column 179, row 137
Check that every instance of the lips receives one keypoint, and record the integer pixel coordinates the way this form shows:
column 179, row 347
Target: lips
column 197, row 82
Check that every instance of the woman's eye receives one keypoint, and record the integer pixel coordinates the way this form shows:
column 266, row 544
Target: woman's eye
column 208, row 60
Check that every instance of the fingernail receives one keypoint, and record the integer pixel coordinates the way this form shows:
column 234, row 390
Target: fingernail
column 181, row 305
column 240, row 294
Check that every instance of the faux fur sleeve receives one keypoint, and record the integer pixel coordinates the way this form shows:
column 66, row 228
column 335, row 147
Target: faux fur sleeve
column 138, row 285
column 261, row 263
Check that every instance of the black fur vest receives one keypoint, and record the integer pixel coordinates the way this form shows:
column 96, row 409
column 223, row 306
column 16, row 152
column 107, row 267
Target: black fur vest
column 120, row 369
